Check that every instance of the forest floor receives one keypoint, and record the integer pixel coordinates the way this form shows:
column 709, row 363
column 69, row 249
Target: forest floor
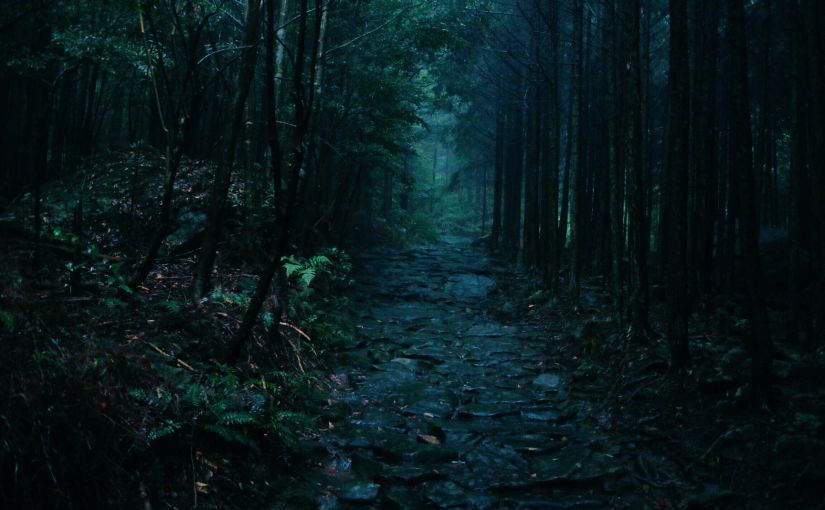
column 467, row 388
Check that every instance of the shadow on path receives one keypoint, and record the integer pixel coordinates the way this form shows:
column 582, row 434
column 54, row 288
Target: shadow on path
column 441, row 406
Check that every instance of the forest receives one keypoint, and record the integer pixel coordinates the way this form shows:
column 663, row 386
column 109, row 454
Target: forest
column 388, row 254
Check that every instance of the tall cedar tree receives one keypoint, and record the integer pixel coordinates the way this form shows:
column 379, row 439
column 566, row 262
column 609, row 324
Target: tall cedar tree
column 678, row 310
column 575, row 158
column 637, row 312
column 741, row 160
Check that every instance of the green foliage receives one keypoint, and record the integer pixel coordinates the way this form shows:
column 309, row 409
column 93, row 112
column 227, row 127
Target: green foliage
column 317, row 302
column 422, row 227
column 171, row 306
column 242, row 414
column 307, row 269
column 7, row 319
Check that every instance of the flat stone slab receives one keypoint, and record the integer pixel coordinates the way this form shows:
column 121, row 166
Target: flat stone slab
column 486, row 411
column 559, row 465
column 547, row 382
column 359, row 493
column 445, row 494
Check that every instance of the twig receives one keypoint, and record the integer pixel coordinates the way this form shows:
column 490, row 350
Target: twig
column 155, row 347
column 296, row 329
column 185, row 365
column 182, row 363
column 297, row 355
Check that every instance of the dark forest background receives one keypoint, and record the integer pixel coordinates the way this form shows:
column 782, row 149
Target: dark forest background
column 228, row 153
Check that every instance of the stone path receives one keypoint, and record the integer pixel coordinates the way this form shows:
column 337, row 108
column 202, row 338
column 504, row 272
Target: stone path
column 440, row 406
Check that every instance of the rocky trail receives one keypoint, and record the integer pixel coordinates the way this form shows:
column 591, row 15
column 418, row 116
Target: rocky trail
column 444, row 402
column 444, row 407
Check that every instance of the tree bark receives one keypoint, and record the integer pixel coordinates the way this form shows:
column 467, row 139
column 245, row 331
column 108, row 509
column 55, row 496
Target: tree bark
column 798, row 169
column 498, row 174
column 759, row 336
column 678, row 310
column 223, row 172
column 638, row 326
column 575, row 158
column 616, row 180
column 550, row 168
column 302, row 119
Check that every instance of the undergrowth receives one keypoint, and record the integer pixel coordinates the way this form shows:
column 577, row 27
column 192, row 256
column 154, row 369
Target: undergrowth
column 115, row 399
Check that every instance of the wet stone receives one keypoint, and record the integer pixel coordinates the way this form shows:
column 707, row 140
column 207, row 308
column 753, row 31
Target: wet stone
column 397, row 498
column 496, row 396
column 486, row 411
column 559, row 465
column 458, row 369
column 430, row 409
column 416, row 366
column 541, row 414
column 359, row 493
column 547, row 381
column 379, row 419
column 489, row 457
column 364, row 463
column 530, row 444
column 409, row 475
column 444, row 494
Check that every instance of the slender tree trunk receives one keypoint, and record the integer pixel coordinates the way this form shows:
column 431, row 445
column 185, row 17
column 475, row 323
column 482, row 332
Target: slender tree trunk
column 616, row 180
column 302, row 117
column 575, row 158
column 272, row 98
column 678, row 310
column 531, row 177
column 762, row 122
column 386, row 209
column 759, row 335
column 223, row 172
column 638, row 326
column 564, row 220
column 706, row 154
column 498, row 174
column 799, row 163
column 816, row 127
column 550, row 188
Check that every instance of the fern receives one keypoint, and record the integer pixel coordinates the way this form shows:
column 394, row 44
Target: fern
column 171, row 306
column 195, row 396
column 114, row 303
column 164, row 429
column 238, row 418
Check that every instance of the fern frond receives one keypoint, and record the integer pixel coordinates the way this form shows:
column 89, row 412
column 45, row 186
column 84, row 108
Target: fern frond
column 164, row 429
column 238, row 418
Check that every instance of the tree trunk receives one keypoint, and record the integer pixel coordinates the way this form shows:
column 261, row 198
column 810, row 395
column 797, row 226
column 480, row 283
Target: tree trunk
column 498, row 176
column 550, row 168
column 302, row 117
column 531, row 176
column 223, row 172
column 616, row 180
column 816, row 127
column 759, row 335
column 799, row 163
column 706, row 153
column 575, row 158
column 638, row 326
column 678, row 310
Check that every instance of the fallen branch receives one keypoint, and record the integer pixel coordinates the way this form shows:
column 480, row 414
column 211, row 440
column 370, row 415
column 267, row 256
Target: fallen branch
column 296, row 329
column 297, row 355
